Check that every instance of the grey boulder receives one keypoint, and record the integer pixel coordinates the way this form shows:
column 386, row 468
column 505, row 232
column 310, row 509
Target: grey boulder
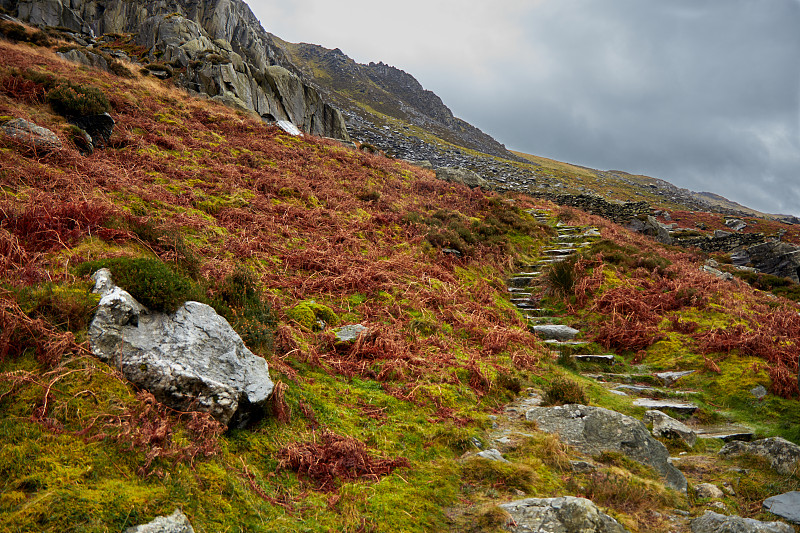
column 463, row 176
column 30, row 135
column 712, row 522
column 667, row 427
column 783, row 456
column 566, row 514
column 785, row 505
column 190, row 359
column 177, row 522
column 593, row 430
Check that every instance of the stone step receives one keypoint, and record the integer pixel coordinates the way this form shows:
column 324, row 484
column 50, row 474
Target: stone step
column 519, row 299
column 676, row 406
column 517, row 290
column 532, row 273
column 594, row 358
column 555, row 332
column 558, row 251
column 635, row 379
column 539, row 312
column 520, row 281
column 566, row 344
column 527, row 306
column 669, row 378
column 724, row 432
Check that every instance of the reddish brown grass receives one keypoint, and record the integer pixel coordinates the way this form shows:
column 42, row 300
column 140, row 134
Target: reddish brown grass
column 328, row 458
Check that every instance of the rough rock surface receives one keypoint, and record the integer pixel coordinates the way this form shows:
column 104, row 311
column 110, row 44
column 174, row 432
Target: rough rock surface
column 712, row 522
column 219, row 44
column 783, row 456
column 785, row 505
column 177, row 522
column 650, row 226
column 566, row 514
column 30, row 135
column 556, row 332
column 347, row 334
column 771, row 257
column 594, row 429
column 463, row 176
column 666, row 426
column 191, row 359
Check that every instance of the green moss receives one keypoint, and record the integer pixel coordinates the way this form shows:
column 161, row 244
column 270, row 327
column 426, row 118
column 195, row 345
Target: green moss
column 151, row 282
column 312, row 316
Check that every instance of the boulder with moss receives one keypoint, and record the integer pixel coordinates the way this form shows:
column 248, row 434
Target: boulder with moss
column 783, row 456
column 312, row 316
column 593, row 430
column 712, row 522
column 190, row 359
column 566, row 514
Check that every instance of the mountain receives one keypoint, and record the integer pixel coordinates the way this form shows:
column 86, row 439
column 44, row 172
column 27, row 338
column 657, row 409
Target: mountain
column 361, row 90
column 413, row 329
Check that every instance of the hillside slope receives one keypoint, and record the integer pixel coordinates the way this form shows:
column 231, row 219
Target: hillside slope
column 290, row 237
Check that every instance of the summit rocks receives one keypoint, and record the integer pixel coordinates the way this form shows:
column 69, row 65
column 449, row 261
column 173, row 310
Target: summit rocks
column 219, row 45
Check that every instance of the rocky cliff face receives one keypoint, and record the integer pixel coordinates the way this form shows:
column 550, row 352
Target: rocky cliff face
column 388, row 90
column 217, row 47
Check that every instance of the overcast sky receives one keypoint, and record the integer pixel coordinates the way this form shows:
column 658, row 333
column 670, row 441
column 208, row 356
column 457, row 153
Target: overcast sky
column 704, row 94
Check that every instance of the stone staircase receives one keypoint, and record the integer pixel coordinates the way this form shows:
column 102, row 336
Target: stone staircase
column 653, row 391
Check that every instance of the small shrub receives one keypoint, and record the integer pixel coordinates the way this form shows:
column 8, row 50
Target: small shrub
column 12, row 31
column 566, row 215
column 249, row 315
column 150, row 281
column 560, row 278
column 70, row 100
column 369, row 196
column 563, row 390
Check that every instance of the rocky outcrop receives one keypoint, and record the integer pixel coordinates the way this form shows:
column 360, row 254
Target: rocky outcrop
column 566, row 514
column 712, row 522
column 648, row 225
column 593, row 430
column 771, row 257
column 783, row 456
column 177, row 522
column 190, row 359
column 218, row 46
column 464, row 176
column 29, row 135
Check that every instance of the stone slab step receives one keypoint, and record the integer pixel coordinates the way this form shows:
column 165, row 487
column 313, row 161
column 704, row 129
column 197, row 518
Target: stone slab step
column 679, row 407
column 635, row 379
column 559, row 251
column 520, row 281
column 592, row 358
column 519, row 290
column 725, row 432
column 556, row 332
column 669, row 378
column 537, row 312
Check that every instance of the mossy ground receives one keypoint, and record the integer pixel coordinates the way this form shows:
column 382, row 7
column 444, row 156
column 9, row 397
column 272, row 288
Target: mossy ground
column 235, row 206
